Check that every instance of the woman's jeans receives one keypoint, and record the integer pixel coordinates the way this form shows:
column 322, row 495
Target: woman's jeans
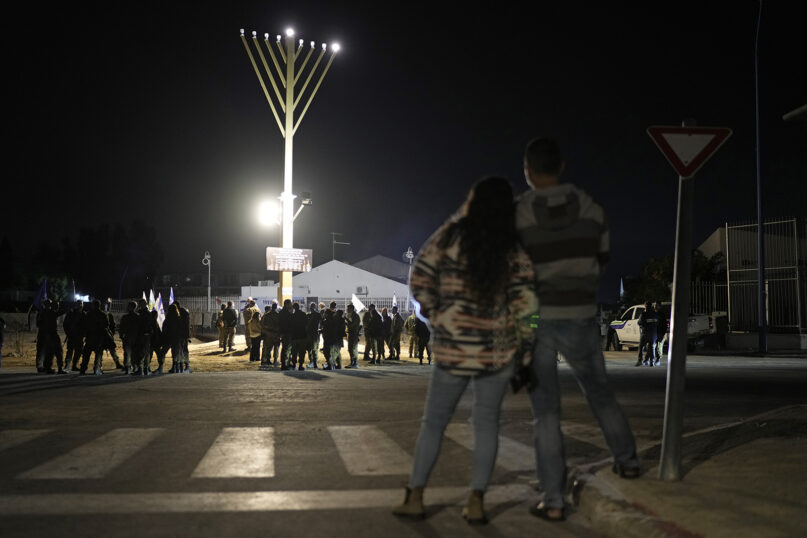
column 579, row 343
column 445, row 390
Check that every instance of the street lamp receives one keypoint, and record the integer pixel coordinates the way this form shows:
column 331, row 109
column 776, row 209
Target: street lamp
column 207, row 260
column 288, row 55
column 409, row 255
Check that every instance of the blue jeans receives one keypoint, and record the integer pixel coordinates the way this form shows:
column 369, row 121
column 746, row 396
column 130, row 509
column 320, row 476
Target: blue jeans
column 579, row 342
column 445, row 390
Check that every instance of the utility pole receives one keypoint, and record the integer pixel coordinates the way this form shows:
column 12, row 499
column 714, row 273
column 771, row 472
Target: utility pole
column 334, row 242
column 207, row 260
column 288, row 55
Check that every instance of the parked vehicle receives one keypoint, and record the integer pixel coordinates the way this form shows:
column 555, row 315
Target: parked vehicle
column 628, row 332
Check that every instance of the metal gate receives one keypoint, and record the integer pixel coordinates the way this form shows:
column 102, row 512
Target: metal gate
column 784, row 275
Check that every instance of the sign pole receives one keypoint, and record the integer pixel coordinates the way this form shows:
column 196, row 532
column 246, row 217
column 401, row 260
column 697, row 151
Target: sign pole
column 670, row 465
column 687, row 148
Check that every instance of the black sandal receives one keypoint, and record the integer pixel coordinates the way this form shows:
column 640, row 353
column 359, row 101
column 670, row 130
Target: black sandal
column 542, row 511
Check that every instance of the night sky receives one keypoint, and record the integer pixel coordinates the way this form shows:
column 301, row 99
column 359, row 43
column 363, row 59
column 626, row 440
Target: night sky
column 153, row 111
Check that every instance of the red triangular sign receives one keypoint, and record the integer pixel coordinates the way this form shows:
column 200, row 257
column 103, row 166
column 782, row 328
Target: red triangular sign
column 688, row 148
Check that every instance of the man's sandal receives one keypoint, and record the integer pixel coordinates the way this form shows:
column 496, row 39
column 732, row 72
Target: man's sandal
column 542, row 511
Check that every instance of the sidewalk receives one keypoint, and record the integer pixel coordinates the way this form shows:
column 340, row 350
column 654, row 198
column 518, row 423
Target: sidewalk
column 743, row 479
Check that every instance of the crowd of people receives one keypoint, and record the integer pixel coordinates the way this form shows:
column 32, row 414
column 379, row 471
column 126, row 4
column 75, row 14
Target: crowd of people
column 90, row 330
column 287, row 336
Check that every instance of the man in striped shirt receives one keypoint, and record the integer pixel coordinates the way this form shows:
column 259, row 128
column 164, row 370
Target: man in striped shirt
column 565, row 235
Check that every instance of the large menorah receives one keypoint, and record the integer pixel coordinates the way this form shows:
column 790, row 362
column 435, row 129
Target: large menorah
column 286, row 72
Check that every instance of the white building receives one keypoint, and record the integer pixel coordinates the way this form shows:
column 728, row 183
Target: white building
column 335, row 281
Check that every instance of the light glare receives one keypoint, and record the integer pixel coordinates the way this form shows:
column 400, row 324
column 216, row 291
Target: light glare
column 269, row 213
column 290, row 32
column 335, row 47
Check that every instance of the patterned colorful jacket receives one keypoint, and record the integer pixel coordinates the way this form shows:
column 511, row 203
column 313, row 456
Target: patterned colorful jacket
column 466, row 338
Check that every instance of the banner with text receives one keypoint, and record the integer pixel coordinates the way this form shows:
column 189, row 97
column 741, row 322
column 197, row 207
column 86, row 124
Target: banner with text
column 289, row 259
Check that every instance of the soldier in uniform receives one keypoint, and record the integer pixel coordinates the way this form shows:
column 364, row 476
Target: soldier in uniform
column 51, row 344
column 73, row 326
column 270, row 333
column 109, row 338
column 423, row 334
column 129, row 326
column 182, row 339
column 284, row 321
column 222, row 330
column 386, row 332
column 145, row 329
column 395, row 334
column 410, row 325
column 313, row 319
column 230, row 319
column 353, row 328
column 297, row 322
column 648, row 324
column 376, row 329
column 335, row 331
column 97, row 327
column 369, row 341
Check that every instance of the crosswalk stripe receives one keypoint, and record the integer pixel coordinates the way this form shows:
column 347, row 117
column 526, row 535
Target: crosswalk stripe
column 239, row 452
column 11, row 438
column 96, row 458
column 76, row 504
column 366, row 450
column 512, row 455
column 583, row 432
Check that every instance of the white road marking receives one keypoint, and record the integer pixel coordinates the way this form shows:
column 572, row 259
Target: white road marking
column 96, row 458
column 11, row 438
column 366, row 450
column 74, row 504
column 239, row 452
column 513, row 456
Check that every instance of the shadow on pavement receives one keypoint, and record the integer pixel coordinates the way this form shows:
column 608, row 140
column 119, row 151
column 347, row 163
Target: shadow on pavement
column 11, row 384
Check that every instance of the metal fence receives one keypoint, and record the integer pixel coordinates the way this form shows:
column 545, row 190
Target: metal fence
column 708, row 297
column 785, row 288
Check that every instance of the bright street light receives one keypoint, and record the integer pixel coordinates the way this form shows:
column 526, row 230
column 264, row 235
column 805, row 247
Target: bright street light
column 269, row 213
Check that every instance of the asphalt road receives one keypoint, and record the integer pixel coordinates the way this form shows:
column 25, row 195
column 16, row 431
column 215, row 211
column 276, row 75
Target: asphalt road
column 315, row 453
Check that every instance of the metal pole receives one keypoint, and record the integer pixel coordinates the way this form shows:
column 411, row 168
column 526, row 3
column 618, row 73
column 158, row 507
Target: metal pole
column 285, row 289
column 761, row 299
column 670, row 464
column 207, row 260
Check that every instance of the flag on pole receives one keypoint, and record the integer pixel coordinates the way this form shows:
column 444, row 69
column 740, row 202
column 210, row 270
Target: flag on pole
column 151, row 300
column 171, row 297
column 144, row 297
column 394, row 300
column 621, row 289
column 41, row 295
column 357, row 304
column 160, row 310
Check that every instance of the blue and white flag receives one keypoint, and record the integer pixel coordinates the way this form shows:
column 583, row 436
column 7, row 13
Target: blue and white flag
column 394, row 300
column 621, row 288
column 41, row 295
column 145, row 298
column 160, row 310
column 152, row 301
column 357, row 304
column 171, row 297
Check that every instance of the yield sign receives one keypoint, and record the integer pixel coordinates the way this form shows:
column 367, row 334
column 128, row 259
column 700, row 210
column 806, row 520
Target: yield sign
column 688, row 148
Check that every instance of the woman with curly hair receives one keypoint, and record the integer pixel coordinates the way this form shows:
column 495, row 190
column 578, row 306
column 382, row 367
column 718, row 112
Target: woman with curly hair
column 474, row 283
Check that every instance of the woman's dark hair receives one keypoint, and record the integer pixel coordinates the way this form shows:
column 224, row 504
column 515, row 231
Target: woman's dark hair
column 487, row 234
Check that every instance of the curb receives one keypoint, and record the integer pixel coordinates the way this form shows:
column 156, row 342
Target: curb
column 611, row 515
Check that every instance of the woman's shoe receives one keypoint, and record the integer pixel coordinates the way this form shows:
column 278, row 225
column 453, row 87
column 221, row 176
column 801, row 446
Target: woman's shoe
column 474, row 511
column 412, row 506
column 542, row 511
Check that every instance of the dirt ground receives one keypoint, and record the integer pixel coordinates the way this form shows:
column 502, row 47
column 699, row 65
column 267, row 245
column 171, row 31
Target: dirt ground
column 19, row 350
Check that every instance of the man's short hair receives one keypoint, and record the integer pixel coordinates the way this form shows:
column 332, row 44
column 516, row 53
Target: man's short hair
column 333, row 305
column 229, row 304
column 543, row 156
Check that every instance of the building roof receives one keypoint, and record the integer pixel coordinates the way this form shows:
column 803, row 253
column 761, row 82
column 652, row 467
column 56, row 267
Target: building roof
column 386, row 267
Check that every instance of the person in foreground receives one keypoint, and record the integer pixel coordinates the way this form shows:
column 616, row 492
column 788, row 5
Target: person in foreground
column 475, row 285
column 565, row 234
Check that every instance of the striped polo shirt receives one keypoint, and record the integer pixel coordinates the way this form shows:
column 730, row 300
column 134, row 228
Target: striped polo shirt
column 566, row 236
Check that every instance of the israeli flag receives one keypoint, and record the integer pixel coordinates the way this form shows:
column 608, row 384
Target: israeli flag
column 158, row 305
column 171, row 297
column 151, row 300
column 357, row 304
column 394, row 300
